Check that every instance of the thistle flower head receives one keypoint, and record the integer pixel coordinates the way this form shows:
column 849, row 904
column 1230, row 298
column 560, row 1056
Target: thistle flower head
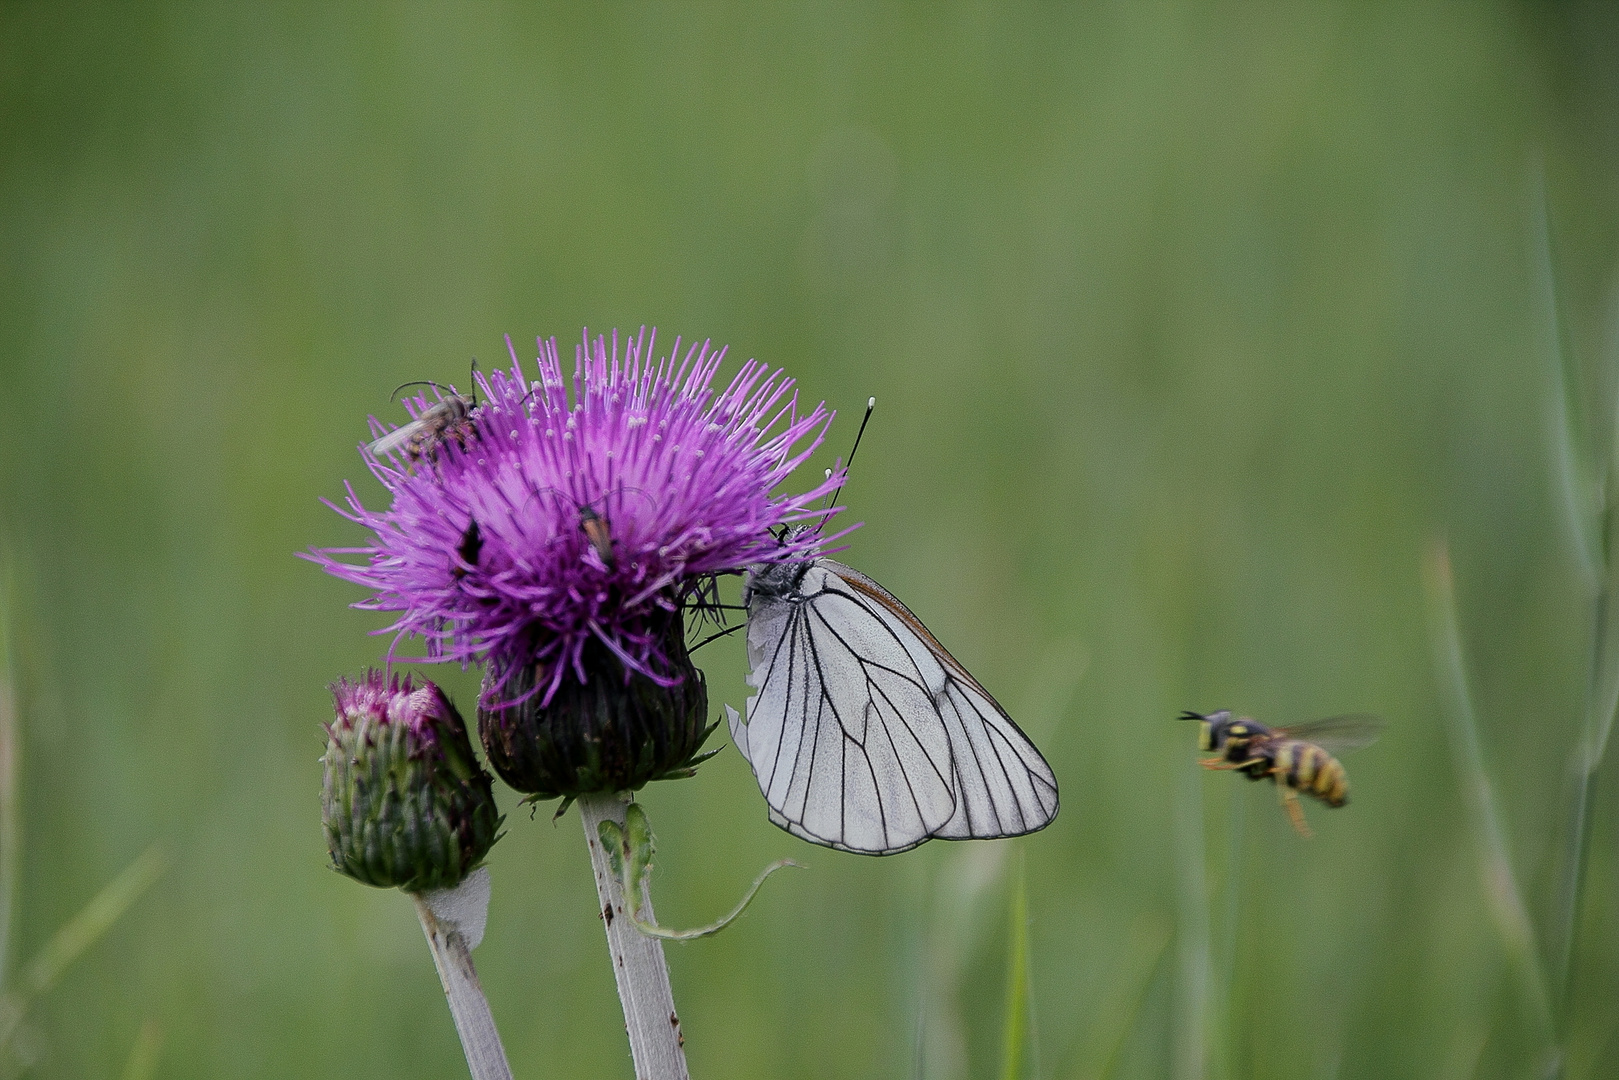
column 585, row 510
column 404, row 802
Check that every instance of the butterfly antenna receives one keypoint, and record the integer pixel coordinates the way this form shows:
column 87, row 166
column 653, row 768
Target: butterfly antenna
column 717, row 636
column 416, row 382
column 831, row 500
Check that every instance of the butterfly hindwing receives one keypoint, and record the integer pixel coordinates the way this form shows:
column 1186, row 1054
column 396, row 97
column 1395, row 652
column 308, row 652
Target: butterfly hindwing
column 866, row 735
column 832, row 736
column 1003, row 786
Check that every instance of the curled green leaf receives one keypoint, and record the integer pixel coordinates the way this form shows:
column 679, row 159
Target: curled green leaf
column 629, row 854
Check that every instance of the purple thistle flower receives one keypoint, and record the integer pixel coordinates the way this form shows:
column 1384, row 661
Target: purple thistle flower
column 563, row 518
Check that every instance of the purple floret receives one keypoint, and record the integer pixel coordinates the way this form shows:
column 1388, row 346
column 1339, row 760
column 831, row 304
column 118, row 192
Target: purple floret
column 599, row 512
column 388, row 699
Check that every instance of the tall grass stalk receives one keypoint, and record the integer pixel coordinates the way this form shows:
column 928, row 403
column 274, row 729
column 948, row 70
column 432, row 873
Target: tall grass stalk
column 10, row 829
column 1016, row 1033
column 142, row 1061
column 76, row 935
column 967, row 876
column 1192, row 933
column 1589, row 500
column 1569, row 420
column 1103, row 1041
column 1503, row 898
column 1224, row 959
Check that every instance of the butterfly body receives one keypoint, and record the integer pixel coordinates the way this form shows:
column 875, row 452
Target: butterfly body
column 866, row 735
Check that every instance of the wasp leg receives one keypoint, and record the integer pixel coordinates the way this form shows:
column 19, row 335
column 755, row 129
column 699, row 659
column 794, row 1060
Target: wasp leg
column 1295, row 810
column 1222, row 763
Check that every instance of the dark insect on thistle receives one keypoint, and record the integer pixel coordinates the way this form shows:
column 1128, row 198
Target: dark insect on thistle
column 599, row 533
column 1298, row 759
column 597, row 526
column 468, row 550
column 450, row 417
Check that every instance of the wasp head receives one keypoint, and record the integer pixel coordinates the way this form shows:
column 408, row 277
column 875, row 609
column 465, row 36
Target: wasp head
column 1218, row 729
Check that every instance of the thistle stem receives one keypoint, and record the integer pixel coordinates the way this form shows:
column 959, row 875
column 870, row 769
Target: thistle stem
column 656, row 1043
column 448, row 938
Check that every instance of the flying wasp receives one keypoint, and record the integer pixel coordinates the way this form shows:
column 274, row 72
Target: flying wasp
column 1298, row 760
column 450, row 417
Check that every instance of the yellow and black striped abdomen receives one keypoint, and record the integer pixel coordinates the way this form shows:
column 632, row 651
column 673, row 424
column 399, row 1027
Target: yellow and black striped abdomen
column 1310, row 770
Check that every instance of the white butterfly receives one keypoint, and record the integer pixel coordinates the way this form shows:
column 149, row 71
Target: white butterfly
column 866, row 735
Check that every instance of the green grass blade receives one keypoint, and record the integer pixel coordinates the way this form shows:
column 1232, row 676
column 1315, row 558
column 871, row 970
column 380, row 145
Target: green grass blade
column 10, row 755
column 1192, row 1012
column 92, row 921
column 1568, row 414
column 1590, row 508
column 1502, row 896
column 142, row 1063
column 1148, row 941
column 1016, row 1033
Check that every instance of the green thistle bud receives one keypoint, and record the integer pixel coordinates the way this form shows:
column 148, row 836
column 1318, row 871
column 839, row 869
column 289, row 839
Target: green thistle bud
column 405, row 803
column 607, row 732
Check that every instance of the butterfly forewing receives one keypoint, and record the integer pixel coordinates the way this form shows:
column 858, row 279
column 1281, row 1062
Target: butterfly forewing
column 866, row 735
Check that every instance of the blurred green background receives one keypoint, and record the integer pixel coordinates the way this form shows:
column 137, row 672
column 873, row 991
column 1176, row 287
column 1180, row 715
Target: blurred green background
column 1194, row 326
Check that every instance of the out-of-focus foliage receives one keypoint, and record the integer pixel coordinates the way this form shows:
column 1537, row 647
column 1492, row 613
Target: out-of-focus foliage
column 1193, row 327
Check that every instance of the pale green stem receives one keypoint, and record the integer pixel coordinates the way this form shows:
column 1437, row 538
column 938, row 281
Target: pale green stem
column 453, row 921
column 656, row 1042
column 664, row 933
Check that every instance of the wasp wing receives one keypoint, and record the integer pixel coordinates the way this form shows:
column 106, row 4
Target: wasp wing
column 867, row 736
column 1337, row 733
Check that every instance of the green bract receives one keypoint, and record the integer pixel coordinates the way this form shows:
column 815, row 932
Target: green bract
column 405, row 804
column 606, row 733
